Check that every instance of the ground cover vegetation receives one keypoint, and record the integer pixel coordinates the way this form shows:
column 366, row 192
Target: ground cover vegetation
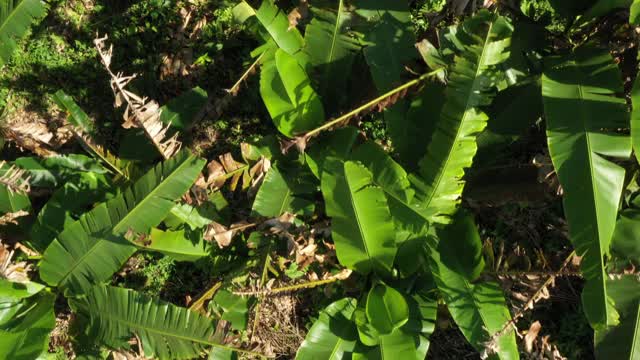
column 318, row 179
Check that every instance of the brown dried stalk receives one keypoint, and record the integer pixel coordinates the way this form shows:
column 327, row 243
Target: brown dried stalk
column 14, row 179
column 491, row 346
column 342, row 275
column 378, row 104
column 250, row 71
column 10, row 218
column 140, row 111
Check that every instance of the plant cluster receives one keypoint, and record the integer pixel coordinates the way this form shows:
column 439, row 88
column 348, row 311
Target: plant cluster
column 384, row 229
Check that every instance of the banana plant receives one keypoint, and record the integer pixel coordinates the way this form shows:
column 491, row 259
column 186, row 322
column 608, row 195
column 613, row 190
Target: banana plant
column 16, row 17
column 578, row 90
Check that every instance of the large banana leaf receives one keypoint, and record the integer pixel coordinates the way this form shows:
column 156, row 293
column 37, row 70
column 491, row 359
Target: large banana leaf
column 625, row 237
column 276, row 23
column 16, row 16
column 333, row 336
column 91, row 249
column 478, row 307
column 166, row 331
column 332, row 51
column 485, row 39
column 409, row 217
column 337, row 143
column 583, row 116
column 26, row 319
column 622, row 342
column 361, row 224
column 62, row 209
column 180, row 245
column 285, row 191
column 286, row 90
column 408, row 342
column 390, row 48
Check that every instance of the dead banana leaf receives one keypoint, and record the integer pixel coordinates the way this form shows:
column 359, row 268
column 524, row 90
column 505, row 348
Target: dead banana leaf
column 140, row 111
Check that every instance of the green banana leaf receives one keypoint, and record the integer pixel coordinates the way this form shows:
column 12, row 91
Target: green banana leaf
column 181, row 112
column 331, row 51
column 409, row 218
column 634, row 13
column 165, row 330
column 485, row 39
column 479, row 307
column 235, row 308
column 462, row 237
column 583, row 115
column 625, row 242
column 333, row 336
column 286, row 90
column 390, row 48
column 386, row 309
column 336, row 143
column 26, row 319
column 194, row 217
column 62, row 209
column 275, row 22
column 622, row 341
column 407, row 342
column 179, row 245
column 285, row 191
column 91, row 249
column 16, row 16
column 362, row 227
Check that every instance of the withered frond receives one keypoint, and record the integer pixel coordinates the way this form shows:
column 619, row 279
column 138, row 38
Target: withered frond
column 14, row 178
column 140, row 112
column 31, row 132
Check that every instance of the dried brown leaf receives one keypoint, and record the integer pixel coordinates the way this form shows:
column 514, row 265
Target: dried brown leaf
column 297, row 14
column 219, row 233
column 532, row 335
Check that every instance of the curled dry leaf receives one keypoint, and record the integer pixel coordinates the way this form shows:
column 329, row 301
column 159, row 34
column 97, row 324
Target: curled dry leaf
column 297, row 14
column 219, row 233
column 223, row 235
column 532, row 335
column 299, row 142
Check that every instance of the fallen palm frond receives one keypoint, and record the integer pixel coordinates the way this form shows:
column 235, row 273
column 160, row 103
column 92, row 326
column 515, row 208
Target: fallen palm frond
column 14, row 179
column 140, row 111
